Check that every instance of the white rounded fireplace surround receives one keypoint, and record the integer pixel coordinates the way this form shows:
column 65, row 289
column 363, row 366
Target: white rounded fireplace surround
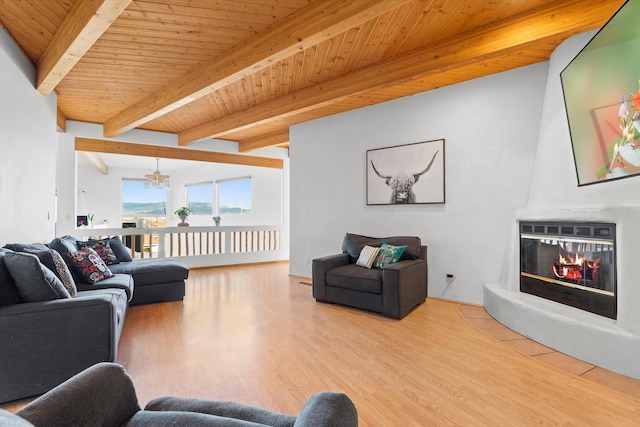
column 555, row 196
column 610, row 344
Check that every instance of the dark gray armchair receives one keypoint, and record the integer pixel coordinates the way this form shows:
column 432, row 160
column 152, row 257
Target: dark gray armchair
column 104, row 395
column 392, row 291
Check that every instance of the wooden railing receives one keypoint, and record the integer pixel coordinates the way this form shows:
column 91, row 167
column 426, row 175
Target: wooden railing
column 199, row 246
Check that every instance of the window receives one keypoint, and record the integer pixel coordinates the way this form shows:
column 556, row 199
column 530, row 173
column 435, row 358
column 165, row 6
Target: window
column 200, row 198
column 143, row 203
column 234, row 196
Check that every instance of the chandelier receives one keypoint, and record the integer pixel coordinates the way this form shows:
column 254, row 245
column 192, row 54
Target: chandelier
column 156, row 179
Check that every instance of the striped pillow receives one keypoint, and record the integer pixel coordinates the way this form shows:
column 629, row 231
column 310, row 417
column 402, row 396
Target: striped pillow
column 367, row 256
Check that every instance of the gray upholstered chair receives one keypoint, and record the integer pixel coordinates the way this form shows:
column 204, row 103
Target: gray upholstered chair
column 393, row 290
column 104, row 395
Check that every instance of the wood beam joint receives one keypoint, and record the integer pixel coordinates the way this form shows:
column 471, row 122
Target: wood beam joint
column 264, row 141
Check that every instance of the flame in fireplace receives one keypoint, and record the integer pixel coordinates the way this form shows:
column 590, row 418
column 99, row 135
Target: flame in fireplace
column 575, row 268
column 569, row 260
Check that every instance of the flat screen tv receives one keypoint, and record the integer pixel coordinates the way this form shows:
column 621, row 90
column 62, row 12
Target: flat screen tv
column 601, row 87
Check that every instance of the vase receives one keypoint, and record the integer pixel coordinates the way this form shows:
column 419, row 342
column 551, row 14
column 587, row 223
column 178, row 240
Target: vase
column 617, row 173
column 631, row 153
column 182, row 223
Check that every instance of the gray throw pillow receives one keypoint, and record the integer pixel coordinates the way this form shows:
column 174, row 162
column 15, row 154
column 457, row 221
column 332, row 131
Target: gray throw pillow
column 8, row 291
column 121, row 251
column 54, row 262
column 64, row 244
column 34, row 281
column 23, row 247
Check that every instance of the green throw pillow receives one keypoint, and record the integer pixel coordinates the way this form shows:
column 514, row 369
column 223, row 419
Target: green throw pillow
column 388, row 254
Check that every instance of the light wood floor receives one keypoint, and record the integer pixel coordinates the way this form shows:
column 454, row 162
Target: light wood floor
column 252, row 334
column 482, row 320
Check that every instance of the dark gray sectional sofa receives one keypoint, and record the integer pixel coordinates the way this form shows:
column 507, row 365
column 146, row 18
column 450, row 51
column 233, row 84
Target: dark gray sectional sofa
column 156, row 280
column 104, row 395
column 44, row 340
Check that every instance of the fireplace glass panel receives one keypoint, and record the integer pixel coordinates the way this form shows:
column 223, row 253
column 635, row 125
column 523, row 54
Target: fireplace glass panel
column 573, row 264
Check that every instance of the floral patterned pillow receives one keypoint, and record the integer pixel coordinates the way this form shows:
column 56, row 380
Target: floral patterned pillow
column 89, row 265
column 102, row 248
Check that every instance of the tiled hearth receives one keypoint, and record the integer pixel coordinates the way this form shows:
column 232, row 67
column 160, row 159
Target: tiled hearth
column 479, row 317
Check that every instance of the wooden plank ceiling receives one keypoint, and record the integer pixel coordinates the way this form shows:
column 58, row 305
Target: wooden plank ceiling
column 246, row 70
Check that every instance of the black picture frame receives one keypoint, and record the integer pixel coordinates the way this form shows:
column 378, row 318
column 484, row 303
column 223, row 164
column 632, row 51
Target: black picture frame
column 82, row 220
column 602, row 101
column 406, row 174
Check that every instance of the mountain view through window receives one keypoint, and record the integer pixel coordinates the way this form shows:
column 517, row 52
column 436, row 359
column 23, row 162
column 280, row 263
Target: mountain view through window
column 143, row 203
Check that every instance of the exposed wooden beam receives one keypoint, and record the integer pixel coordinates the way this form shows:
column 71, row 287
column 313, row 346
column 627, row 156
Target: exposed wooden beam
column 129, row 148
column 61, row 120
column 309, row 26
column 95, row 161
column 264, row 141
column 84, row 24
column 503, row 38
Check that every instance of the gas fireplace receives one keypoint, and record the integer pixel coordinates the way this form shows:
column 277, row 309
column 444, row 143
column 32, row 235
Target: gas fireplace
column 570, row 263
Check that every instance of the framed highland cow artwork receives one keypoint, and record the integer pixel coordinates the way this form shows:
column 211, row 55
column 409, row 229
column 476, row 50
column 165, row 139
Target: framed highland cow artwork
column 406, row 174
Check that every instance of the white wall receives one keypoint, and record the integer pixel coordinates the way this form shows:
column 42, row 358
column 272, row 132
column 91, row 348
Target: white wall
column 27, row 151
column 66, row 178
column 490, row 126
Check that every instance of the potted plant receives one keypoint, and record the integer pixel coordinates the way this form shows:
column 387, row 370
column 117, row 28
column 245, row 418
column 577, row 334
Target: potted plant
column 183, row 212
column 216, row 219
